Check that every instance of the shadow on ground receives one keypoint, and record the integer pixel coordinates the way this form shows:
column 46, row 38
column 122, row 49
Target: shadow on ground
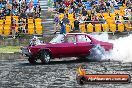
column 65, row 62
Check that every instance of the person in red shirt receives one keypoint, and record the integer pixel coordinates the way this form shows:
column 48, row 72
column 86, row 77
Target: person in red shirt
column 67, row 3
column 13, row 27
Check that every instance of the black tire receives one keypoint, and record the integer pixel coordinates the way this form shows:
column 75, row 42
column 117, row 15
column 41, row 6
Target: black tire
column 31, row 60
column 96, row 53
column 45, row 57
column 81, row 58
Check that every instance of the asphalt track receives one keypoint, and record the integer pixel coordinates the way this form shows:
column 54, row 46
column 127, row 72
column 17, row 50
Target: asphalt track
column 58, row 74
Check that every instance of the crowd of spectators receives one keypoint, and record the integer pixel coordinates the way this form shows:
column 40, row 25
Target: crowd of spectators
column 87, row 10
column 21, row 8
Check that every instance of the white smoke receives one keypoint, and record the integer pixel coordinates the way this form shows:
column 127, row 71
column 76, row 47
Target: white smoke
column 122, row 50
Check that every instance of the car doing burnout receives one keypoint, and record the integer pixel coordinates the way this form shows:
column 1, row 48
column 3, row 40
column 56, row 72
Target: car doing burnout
column 64, row 45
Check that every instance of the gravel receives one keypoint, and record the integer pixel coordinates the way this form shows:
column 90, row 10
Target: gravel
column 58, row 74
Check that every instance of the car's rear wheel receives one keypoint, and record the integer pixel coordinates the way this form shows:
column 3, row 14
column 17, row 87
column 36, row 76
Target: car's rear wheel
column 31, row 60
column 81, row 58
column 45, row 57
column 96, row 53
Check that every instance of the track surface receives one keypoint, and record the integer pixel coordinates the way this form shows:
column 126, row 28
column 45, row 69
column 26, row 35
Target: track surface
column 58, row 74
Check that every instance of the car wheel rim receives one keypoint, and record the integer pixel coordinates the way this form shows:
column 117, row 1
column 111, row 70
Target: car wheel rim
column 47, row 57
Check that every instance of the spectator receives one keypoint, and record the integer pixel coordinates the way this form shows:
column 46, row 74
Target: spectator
column 15, row 11
column 23, row 6
column 111, row 8
column 80, row 7
column 30, row 4
column 22, row 26
column 63, row 28
column 23, row 15
column 13, row 26
column 15, row 4
column 127, row 12
column 102, row 20
column 76, row 10
column 92, row 2
column 65, row 20
column 76, row 25
column 95, row 20
column 55, row 3
column 56, row 22
column 1, row 14
column 62, row 10
column 87, row 19
column 84, row 12
column 8, row 12
column 81, row 18
column 4, row 11
column 67, row 3
column 107, row 3
column 70, row 10
column 128, row 3
column 117, row 19
column 93, row 10
column 103, row 8
column 37, row 10
column 78, row 1
column 30, row 12
column 97, row 9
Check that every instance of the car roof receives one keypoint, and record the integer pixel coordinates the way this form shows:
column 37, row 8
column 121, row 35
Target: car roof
column 76, row 34
column 80, row 34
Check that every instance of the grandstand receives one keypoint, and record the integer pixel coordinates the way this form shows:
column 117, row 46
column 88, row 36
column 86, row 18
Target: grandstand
column 24, row 15
column 95, row 16
column 116, row 15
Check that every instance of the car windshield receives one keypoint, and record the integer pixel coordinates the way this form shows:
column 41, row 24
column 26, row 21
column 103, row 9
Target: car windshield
column 58, row 39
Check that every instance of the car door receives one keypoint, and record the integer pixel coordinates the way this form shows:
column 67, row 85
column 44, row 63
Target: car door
column 83, row 45
column 69, row 47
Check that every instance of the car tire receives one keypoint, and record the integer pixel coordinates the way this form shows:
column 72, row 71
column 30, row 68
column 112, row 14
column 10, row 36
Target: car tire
column 31, row 60
column 96, row 53
column 81, row 58
column 45, row 57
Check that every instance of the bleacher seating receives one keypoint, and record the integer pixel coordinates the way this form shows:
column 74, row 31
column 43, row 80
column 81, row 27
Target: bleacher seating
column 33, row 25
column 110, row 17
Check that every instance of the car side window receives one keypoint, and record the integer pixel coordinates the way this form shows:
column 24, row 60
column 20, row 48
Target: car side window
column 83, row 38
column 71, row 39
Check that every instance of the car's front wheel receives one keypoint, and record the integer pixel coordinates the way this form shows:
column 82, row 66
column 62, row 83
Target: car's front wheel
column 31, row 60
column 45, row 57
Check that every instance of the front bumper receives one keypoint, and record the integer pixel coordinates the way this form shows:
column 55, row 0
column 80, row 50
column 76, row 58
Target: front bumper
column 25, row 52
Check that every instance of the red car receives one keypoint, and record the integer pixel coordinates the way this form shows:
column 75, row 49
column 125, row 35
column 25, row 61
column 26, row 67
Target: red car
column 64, row 45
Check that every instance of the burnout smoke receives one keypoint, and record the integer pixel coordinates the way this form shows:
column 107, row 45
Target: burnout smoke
column 122, row 48
column 97, row 53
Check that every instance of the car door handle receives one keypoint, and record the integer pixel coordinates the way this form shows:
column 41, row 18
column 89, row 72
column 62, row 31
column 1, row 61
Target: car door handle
column 74, row 43
column 91, row 43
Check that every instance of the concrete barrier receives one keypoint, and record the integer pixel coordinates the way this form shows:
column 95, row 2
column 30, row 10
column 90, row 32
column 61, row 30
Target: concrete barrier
column 4, row 56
